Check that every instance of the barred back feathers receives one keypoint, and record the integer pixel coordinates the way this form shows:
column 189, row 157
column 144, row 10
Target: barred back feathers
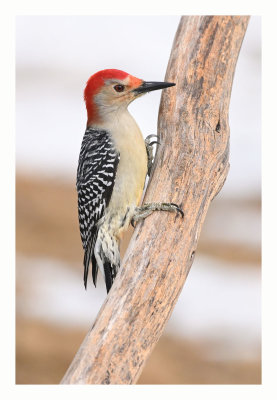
column 96, row 174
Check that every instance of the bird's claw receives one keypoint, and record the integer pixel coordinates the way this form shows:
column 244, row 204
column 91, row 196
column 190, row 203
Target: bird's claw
column 147, row 209
column 178, row 209
column 149, row 150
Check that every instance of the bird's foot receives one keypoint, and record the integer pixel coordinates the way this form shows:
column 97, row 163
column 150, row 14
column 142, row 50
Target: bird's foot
column 149, row 149
column 147, row 209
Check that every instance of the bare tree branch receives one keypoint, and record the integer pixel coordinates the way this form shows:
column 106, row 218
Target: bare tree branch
column 191, row 167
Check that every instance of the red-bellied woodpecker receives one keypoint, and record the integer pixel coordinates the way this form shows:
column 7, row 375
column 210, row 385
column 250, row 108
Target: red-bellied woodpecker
column 113, row 164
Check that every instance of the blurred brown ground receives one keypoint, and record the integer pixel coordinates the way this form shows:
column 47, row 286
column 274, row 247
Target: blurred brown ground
column 47, row 226
column 45, row 351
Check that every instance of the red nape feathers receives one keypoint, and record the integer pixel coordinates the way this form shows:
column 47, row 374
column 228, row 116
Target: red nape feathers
column 97, row 80
column 95, row 83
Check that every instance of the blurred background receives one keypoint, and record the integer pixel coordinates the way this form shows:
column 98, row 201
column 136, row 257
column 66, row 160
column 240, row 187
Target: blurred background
column 214, row 333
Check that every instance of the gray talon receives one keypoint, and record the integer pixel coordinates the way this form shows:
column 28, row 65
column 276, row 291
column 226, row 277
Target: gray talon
column 147, row 209
column 178, row 209
column 147, row 139
column 149, row 150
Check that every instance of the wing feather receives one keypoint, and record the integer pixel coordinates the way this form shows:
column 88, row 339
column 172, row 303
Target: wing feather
column 96, row 174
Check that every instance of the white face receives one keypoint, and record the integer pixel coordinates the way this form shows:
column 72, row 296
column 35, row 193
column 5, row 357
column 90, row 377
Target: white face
column 115, row 95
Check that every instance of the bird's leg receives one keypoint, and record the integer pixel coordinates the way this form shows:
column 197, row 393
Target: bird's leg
column 149, row 149
column 147, row 209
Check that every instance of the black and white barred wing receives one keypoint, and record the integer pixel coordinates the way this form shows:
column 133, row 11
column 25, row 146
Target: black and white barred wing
column 96, row 173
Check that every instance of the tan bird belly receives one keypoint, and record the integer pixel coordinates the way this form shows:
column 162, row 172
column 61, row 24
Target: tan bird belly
column 130, row 176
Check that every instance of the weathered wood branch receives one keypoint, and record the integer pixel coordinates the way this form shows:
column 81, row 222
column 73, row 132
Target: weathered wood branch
column 191, row 167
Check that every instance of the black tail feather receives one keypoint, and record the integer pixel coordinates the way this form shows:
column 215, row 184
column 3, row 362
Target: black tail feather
column 110, row 269
column 87, row 258
column 94, row 269
column 108, row 275
column 89, row 255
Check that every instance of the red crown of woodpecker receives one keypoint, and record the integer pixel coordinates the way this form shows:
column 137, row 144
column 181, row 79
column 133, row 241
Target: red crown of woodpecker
column 97, row 81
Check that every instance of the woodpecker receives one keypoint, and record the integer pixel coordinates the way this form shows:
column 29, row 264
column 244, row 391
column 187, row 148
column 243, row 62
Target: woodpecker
column 113, row 163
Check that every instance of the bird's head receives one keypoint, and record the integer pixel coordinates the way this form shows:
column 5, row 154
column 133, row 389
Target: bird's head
column 112, row 90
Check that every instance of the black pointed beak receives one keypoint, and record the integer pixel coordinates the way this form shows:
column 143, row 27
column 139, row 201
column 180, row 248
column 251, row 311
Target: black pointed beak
column 149, row 86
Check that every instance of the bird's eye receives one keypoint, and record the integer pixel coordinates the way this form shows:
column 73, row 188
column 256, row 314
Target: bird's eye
column 119, row 88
